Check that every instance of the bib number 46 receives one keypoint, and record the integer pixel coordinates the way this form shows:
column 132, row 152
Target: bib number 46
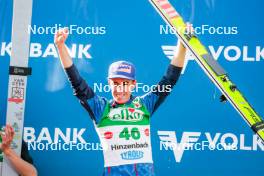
column 134, row 133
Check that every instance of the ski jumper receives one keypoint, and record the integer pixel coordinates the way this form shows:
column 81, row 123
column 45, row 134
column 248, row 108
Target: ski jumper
column 124, row 129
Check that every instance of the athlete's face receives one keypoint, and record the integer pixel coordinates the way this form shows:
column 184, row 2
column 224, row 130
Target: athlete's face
column 121, row 89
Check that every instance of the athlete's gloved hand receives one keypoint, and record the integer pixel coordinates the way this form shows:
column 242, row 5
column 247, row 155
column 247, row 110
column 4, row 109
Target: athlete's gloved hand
column 61, row 36
column 7, row 137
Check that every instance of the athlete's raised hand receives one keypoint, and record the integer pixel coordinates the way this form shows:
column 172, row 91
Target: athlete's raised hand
column 179, row 56
column 61, row 36
column 59, row 39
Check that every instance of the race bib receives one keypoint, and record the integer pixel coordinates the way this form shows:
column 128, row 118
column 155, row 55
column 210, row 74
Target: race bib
column 125, row 144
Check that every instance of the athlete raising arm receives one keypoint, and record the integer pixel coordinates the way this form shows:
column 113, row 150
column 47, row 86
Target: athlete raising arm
column 123, row 124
